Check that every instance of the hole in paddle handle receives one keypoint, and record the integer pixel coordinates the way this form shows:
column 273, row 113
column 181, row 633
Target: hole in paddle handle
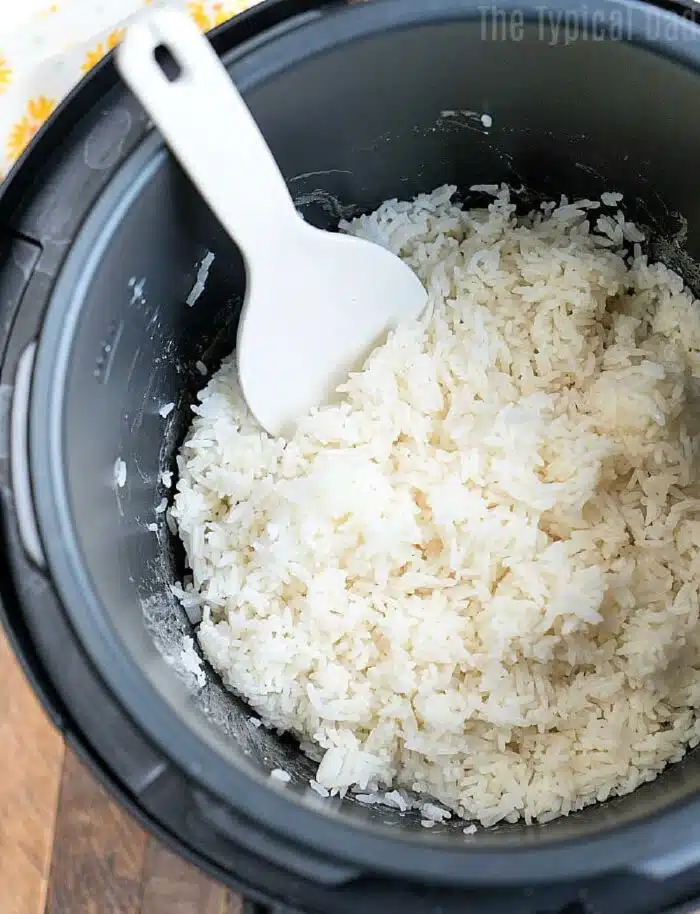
column 168, row 63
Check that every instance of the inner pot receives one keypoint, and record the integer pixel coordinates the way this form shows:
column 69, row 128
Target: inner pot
column 359, row 104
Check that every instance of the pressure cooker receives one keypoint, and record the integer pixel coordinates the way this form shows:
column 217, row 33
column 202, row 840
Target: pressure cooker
column 103, row 240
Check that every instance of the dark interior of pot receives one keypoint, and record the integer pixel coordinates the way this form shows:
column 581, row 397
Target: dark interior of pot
column 351, row 127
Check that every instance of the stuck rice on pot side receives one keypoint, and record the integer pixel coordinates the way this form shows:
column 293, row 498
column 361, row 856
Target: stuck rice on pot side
column 476, row 576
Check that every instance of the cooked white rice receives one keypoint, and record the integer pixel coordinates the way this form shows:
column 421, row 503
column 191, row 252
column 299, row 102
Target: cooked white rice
column 190, row 662
column 477, row 576
column 120, row 473
column 279, row 774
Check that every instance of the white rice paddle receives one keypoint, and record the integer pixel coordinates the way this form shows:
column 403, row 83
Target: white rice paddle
column 316, row 302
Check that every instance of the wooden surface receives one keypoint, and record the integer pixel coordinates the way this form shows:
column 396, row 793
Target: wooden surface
column 65, row 847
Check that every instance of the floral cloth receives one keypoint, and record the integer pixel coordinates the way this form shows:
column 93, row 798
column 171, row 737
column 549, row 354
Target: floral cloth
column 43, row 57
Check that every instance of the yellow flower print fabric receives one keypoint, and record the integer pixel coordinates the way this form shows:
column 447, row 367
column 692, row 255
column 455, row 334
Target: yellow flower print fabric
column 95, row 55
column 35, row 113
column 5, row 75
column 51, row 46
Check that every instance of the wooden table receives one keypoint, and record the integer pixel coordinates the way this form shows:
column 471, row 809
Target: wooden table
column 65, row 847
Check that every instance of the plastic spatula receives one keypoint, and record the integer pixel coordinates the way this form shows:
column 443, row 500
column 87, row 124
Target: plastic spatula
column 316, row 302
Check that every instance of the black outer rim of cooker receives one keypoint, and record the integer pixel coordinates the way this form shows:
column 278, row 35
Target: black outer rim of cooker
column 280, row 815
column 622, row 847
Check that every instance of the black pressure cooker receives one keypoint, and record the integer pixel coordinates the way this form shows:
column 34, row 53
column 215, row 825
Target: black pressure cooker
column 103, row 239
